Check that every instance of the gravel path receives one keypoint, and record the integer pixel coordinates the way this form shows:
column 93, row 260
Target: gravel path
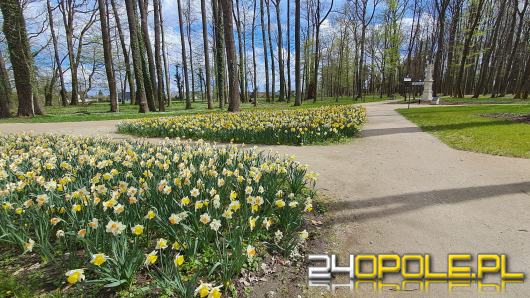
column 400, row 190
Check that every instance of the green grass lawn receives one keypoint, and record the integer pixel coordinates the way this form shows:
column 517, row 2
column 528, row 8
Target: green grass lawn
column 465, row 128
column 100, row 111
column 481, row 100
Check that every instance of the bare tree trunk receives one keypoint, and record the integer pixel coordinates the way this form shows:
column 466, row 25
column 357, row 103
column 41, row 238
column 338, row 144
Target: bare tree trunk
column 5, row 90
column 255, row 79
column 164, row 55
column 509, row 65
column 14, row 28
column 219, row 52
column 288, row 50
column 241, row 48
column 158, row 59
column 188, row 30
column 107, row 54
column 489, row 49
column 265, row 54
column 233, row 105
column 184, row 62
column 272, row 52
column 149, row 52
column 475, row 17
column 297, row 72
column 58, row 61
column 206, row 54
column 280, row 51
column 449, row 80
column 441, row 8
column 128, row 71
column 136, row 55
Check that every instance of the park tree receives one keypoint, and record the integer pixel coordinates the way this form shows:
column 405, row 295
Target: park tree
column 58, row 61
column 265, row 54
column 14, row 28
column 158, row 56
column 5, row 89
column 298, row 58
column 107, row 53
column 231, row 57
column 132, row 18
column 75, row 12
column 206, row 54
column 183, row 57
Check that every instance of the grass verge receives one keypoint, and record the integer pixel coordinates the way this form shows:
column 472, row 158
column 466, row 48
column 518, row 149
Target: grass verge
column 469, row 128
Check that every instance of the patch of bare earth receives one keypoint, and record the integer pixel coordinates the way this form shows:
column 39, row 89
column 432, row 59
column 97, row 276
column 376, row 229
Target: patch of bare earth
column 509, row 117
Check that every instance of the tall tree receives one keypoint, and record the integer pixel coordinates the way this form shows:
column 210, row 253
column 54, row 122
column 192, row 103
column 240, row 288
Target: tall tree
column 126, row 59
column 58, row 60
column 318, row 23
column 146, row 44
column 164, row 55
column 14, row 28
column 69, row 8
column 254, row 66
column 219, row 52
column 158, row 58
column 5, row 89
column 206, row 54
column 136, row 55
column 189, row 22
column 288, row 50
column 441, row 9
column 475, row 13
column 241, row 48
column 231, row 57
column 273, row 71
column 184, row 59
column 297, row 59
column 107, row 54
column 265, row 54
column 281, row 69
column 365, row 17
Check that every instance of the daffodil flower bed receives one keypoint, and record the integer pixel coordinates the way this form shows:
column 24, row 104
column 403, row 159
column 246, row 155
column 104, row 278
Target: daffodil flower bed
column 290, row 127
column 189, row 215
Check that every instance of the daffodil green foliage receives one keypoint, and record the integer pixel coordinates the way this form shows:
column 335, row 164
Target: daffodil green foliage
column 289, row 127
column 190, row 215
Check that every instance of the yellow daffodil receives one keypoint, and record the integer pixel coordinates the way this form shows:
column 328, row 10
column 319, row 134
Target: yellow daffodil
column 98, row 259
column 151, row 258
column 179, row 260
column 161, row 243
column 75, row 276
column 137, row 230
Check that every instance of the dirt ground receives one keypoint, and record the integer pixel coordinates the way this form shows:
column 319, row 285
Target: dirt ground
column 400, row 190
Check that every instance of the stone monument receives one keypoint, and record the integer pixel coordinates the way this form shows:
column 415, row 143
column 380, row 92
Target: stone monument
column 427, row 87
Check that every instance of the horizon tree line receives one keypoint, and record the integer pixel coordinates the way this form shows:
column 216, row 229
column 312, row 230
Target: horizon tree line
column 360, row 47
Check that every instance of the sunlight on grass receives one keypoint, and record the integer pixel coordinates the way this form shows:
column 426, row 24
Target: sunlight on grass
column 468, row 128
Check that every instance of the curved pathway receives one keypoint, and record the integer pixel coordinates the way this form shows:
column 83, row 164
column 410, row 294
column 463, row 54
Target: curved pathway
column 400, row 190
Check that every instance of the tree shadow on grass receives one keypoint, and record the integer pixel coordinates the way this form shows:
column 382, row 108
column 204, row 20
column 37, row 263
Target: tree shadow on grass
column 401, row 203
column 432, row 128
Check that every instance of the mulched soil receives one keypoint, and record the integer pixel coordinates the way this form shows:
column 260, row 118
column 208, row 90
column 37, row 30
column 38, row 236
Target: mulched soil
column 510, row 117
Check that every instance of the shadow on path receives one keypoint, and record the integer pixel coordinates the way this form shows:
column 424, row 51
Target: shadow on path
column 388, row 131
column 407, row 202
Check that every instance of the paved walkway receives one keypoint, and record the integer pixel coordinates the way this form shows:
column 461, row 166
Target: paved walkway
column 400, row 190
